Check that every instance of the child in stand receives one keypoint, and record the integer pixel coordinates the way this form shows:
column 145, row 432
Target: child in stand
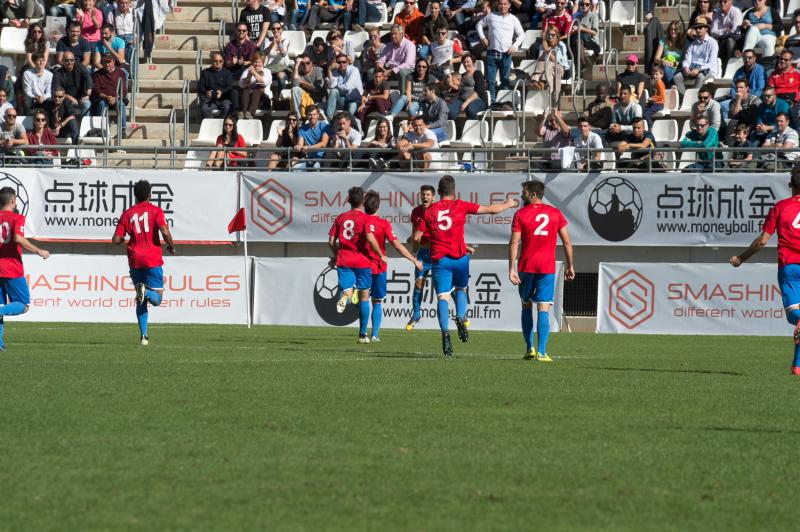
column 656, row 102
column 743, row 159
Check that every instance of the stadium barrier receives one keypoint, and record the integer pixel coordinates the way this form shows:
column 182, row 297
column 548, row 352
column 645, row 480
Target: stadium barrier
column 659, row 298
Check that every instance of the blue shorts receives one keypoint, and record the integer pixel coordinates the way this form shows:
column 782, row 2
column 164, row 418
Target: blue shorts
column 450, row 273
column 424, row 256
column 14, row 290
column 789, row 281
column 152, row 278
column 537, row 287
column 358, row 278
column 378, row 289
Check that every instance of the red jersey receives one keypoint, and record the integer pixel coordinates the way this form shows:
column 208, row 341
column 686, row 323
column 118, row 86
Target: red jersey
column 11, row 224
column 785, row 82
column 141, row 222
column 562, row 22
column 538, row 224
column 785, row 217
column 383, row 231
column 417, row 219
column 445, row 220
column 350, row 229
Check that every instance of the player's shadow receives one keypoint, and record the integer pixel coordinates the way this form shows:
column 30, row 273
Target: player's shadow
column 732, row 429
column 398, row 354
column 661, row 370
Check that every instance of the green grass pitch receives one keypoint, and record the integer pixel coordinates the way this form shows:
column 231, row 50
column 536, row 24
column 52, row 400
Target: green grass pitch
column 279, row 428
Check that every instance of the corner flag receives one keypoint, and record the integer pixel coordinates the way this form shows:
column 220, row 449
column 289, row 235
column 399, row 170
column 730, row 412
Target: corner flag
column 238, row 223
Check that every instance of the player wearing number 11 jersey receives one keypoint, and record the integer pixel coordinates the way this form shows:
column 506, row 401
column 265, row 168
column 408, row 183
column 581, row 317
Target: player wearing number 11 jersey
column 536, row 225
column 143, row 222
column 444, row 221
column 784, row 217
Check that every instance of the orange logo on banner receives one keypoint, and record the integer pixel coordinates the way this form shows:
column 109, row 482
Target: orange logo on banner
column 271, row 206
column 631, row 299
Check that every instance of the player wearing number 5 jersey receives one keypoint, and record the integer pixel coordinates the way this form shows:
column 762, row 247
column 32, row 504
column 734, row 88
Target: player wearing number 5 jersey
column 536, row 225
column 784, row 217
column 143, row 223
column 444, row 221
column 14, row 295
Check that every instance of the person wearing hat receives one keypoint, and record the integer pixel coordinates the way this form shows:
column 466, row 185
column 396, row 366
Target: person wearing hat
column 104, row 93
column 700, row 60
column 631, row 77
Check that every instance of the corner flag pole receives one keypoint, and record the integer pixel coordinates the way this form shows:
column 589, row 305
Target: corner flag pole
column 247, row 278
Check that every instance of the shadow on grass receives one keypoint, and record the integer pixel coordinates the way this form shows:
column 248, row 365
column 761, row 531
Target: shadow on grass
column 660, row 370
column 733, row 429
column 397, row 354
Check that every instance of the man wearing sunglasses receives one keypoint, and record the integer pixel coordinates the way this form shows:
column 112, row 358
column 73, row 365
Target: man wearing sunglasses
column 344, row 87
column 708, row 107
column 12, row 136
column 785, row 79
column 308, row 85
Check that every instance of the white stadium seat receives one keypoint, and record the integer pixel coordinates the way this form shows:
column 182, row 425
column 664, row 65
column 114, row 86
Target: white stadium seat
column 251, row 130
column 12, row 40
column 297, row 42
column 210, row 129
column 665, row 130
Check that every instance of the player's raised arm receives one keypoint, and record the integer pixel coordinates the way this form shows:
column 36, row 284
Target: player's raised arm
column 401, row 249
column 513, row 251
column 569, row 272
column 760, row 241
column 167, row 235
column 27, row 244
column 496, row 208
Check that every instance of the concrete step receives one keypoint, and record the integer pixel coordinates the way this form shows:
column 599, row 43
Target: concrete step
column 142, row 143
column 209, row 3
column 204, row 13
column 187, row 42
column 153, row 130
column 154, row 115
column 565, row 103
column 598, row 72
column 667, row 14
column 162, row 85
column 167, row 71
column 191, row 28
column 159, row 100
column 626, row 43
column 175, row 56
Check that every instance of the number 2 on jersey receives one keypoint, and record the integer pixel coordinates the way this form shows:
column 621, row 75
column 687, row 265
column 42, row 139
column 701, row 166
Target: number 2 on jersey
column 142, row 218
column 544, row 219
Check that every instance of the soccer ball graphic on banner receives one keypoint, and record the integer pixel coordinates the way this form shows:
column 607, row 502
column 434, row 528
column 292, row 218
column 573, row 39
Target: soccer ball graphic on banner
column 326, row 288
column 8, row 180
column 615, row 209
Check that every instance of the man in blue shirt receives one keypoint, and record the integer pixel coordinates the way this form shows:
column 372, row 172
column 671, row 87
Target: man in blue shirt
column 344, row 84
column 109, row 44
column 770, row 108
column 314, row 134
column 752, row 73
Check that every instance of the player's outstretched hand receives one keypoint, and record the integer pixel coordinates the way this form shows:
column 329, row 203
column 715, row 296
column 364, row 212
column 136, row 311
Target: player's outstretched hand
column 332, row 262
column 569, row 274
column 470, row 250
column 418, row 265
column 44, row 253
column 735, row 261
column 513, row 277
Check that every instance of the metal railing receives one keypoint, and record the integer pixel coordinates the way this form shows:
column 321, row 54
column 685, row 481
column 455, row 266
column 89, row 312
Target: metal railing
column 121, row 109
column 185, row 106
column 134, row 93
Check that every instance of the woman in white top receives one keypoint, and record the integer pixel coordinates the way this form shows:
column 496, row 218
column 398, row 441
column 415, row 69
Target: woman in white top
column 254, row 84
column 277, row 55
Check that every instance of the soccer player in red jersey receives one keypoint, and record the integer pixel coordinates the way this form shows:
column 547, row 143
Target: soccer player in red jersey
column 426, row 193
column 445, row 220
column 784, row 217
column 382, row 231
column 536, row 225
column 143, row 223
column 14, row 294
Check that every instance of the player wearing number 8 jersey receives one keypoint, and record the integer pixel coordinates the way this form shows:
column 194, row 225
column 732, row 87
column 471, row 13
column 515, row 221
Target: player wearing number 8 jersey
column 535, row 226
column 444, row 221
column 784, row 217
column 14, row 295
column 142, row 223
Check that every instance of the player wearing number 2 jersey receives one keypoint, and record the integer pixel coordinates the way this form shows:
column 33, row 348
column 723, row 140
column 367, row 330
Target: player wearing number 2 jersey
column 444, row 221
column 142, row 223
column 784, row 217
column 536, row 225
column 14, row 295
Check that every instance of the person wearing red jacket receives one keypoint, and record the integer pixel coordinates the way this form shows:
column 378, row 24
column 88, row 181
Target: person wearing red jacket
column 786, row 79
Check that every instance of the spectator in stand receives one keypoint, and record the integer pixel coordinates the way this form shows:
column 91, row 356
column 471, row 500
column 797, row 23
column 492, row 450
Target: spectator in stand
column 329, row 11
column 384, row 141
column 561, row 18
column 793, row 42
column 782, row 137
column 20, row 12
column 344, row 87
column 521, row 9
column 109, row 44
column 308, row 85
column 337, row 45
column 600, row 110
column 470, row 89
column 239, row 50
column 314, row 135
column 376, row 97
column 457, row 12
column 91, row 20
column 288, row 137
column 37, row 84
column 555, row 134
column 373, row 49
column 415, row 144
column 319, row 53
column 366, row 11
column 590, row 30
column 215, row 89
column 432, row 23
column 639, row 143
column 785, row 79
column 77, row 83
column 700, row 61
column 726, row 25
column 744, row 110
column 752, row 73
column 106, row 7
column 35, row 42
column 5, row 104
column 414, row 92
column 125, row 26
column 277, row 10
column 74, row 43
column 298, row 14
column 702, row 10
column 277, row 61
column 444, row 54
column 623, row 115
column 588, row 146
column 254, row 85
column 347, row 139
column 482, row 10
column 230, row 138
column 12, row 137
column 631, row 77
column 104, row 91
column 505, row 38
column 762, row 26
column 708, row 107
column 701, row 136
column 553, row 62
column 656, row 102
column 413, row 22
column 62, row 116
column 41, row 135
column 742, row 159
column 770, row 107
column 669, row 52
column 540, row 9
column 256, row 17
column 434, row 112
column 398, row 56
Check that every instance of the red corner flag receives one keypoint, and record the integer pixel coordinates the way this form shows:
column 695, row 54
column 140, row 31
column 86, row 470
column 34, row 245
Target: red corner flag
column 238, row 222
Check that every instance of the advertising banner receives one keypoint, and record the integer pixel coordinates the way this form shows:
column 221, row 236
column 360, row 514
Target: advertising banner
column 310, row 285
column 94, row 288
column 669, row 209
column 650, row 298
column 86, row 204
